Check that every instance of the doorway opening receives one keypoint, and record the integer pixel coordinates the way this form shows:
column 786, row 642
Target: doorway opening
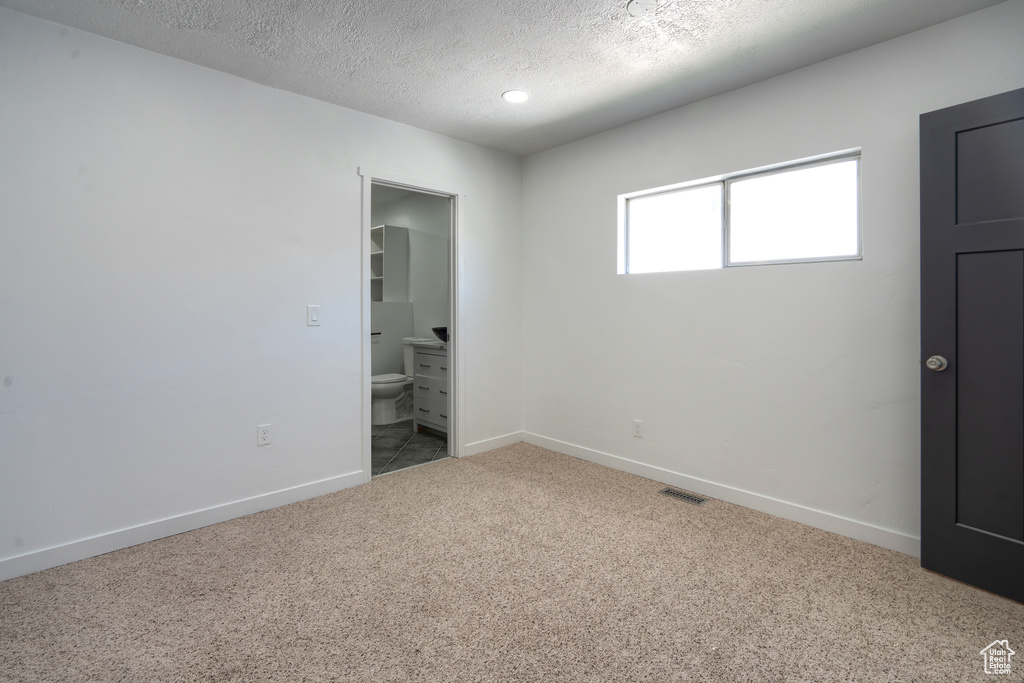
column 410, row 301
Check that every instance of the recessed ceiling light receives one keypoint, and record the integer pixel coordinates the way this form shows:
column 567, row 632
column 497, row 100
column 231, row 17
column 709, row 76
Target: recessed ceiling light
column 638, row 8
column 515, row 96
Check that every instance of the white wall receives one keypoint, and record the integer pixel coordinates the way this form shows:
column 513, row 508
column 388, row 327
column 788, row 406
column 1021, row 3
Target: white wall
column 415, row 210
column 162, row 229
column 794, row 388
column 428, row 282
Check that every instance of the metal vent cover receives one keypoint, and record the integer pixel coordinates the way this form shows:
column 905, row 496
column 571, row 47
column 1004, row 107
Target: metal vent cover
column 684, row 496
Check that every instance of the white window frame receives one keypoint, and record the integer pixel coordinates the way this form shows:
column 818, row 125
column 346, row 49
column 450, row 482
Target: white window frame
column 725, row 181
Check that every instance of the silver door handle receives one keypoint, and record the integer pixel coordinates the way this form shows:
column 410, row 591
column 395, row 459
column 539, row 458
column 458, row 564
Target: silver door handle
column 936, row 363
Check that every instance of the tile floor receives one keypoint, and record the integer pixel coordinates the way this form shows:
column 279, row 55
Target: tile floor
column 396, row 447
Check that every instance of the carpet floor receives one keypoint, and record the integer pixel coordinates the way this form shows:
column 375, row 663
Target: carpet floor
column 515, row 565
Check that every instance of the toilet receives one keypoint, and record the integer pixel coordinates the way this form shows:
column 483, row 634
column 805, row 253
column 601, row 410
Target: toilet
column 391, row 393
column 390, row 398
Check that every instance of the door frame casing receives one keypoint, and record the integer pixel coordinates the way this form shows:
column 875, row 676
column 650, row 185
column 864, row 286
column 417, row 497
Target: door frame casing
column 370, row 176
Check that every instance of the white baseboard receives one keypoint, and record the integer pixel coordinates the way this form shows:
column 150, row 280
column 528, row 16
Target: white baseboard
column 886, row 538
column 115, row 540
column 123, row 538
column 497, row 442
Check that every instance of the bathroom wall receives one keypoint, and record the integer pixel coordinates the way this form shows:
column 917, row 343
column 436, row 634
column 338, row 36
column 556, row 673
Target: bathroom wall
column 789, row 388
column 428, row 281
column 163, row 227
column 393, row 320
column 424, row 212
column 428, row 219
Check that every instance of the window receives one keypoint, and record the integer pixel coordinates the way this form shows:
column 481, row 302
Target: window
column 797, row 212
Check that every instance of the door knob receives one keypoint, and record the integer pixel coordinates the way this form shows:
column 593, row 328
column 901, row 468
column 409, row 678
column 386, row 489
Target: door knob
column 936, row 363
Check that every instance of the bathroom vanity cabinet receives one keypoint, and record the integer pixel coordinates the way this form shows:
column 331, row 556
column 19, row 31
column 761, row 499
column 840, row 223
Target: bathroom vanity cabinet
column 389, row 263
column 430, row 389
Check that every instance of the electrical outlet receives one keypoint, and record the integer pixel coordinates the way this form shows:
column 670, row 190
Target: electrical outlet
column 638, row 429
column 263, row 435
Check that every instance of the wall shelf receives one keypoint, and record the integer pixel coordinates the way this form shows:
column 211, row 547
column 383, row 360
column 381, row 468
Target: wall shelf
column 389, row 263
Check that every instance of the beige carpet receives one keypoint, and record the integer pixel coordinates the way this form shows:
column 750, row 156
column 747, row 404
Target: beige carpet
column 515, row 565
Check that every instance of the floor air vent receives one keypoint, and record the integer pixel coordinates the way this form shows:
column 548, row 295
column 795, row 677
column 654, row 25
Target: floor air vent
column 685, row 497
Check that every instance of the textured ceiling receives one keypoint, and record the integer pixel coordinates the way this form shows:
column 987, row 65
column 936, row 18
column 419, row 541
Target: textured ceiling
column 588, row 64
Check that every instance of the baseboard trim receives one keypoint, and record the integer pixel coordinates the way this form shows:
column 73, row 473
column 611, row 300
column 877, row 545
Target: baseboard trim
column 496, row 442
column 861, row 531
column 123, row 538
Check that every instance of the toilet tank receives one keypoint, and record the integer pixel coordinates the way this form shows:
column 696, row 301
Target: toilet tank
column 409, row 353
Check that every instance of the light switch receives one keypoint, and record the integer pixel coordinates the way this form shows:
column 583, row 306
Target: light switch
column 313, row 316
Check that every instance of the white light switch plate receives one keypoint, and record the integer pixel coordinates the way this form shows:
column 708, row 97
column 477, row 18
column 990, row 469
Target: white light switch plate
column 313, row 315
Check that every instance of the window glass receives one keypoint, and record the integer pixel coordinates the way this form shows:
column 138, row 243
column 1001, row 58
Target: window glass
column 680, row 230
column 804, row 213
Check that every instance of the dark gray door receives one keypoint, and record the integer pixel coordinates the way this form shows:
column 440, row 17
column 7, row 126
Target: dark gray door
column 972, row 343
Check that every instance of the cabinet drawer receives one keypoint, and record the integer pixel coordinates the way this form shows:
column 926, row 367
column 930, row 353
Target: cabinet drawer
column 432, row 411
column 431, row 365
column 430, row 387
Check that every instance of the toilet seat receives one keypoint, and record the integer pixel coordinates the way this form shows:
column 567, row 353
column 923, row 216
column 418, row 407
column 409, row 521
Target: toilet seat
column 389, row 378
